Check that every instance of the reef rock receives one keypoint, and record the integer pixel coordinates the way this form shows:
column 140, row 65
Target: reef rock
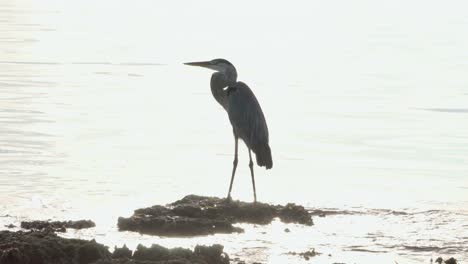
column 44, row 247
column 199, row 215
column 57, row 226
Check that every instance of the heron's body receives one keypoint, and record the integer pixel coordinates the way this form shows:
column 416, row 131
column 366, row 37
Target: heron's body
column 248, row 122
column 244, row 111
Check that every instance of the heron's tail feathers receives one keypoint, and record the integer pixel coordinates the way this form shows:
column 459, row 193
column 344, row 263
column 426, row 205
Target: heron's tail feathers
column 263, row 154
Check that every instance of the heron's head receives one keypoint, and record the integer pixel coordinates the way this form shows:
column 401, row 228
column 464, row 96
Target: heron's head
column 219, row 65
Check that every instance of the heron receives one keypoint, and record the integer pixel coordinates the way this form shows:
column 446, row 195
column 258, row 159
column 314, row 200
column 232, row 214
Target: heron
column 245, row 114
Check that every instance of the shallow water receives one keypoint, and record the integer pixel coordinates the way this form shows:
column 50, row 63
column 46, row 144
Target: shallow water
column 366, row 105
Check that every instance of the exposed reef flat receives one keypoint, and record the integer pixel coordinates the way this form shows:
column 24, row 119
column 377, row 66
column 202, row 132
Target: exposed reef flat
column 200, row 215
column 43, row 247
column 57, row 226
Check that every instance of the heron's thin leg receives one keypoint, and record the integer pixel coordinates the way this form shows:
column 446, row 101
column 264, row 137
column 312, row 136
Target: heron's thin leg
column 234, row 163
column 252, row 174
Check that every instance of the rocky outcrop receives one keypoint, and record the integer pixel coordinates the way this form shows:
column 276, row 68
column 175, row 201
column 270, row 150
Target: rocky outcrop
column 42, row 247
column 160, row 255
column 200, row 215
column 36, row 247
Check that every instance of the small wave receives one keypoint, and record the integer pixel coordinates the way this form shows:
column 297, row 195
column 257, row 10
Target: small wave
column 84, row 63
column 134, row 75
column 103, row 73
column 446, row 110
column 30, row 62
column 331, row 211
column 360, row 249
column 141, row 64
column 424, row 248
column 364, row 249
column 429, row 212
column 92, row 63
column 22, row 111
column 387, row 212
column 336, row 211
column 118, row 64
column 408, row 212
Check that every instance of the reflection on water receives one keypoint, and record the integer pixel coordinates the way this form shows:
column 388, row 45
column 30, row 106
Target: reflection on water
column 98, row 117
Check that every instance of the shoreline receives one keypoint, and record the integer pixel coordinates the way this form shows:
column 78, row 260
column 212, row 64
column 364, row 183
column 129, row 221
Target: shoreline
column 189, row 217
column 324, row 217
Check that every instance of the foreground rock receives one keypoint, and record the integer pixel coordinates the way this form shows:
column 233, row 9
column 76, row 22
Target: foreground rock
column 40, row 247
column 57, row 226
column 160, row 255
column 439, row 260
column 199, row 215
column 46, row 247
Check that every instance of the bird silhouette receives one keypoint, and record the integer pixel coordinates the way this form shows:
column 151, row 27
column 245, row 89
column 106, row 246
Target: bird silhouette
column 245, row 114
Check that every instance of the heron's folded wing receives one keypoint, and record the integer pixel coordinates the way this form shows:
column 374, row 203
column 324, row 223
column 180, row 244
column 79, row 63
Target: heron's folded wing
column 246, row 115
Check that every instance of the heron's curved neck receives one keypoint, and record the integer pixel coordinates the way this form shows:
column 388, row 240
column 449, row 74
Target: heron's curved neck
column 219, row 81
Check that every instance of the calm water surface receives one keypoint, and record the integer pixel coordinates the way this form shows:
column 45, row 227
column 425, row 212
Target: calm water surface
column 367, row 105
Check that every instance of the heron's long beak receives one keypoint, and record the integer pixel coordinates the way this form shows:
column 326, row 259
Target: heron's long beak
column 205, row 64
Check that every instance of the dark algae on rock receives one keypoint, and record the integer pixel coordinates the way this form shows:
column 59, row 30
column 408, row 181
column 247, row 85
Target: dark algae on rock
column 44, row 247
column 164, row 222
column 57, row 226
column 200, row 215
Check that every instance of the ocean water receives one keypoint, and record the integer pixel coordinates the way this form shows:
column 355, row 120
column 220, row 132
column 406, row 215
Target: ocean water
column 366, row 102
